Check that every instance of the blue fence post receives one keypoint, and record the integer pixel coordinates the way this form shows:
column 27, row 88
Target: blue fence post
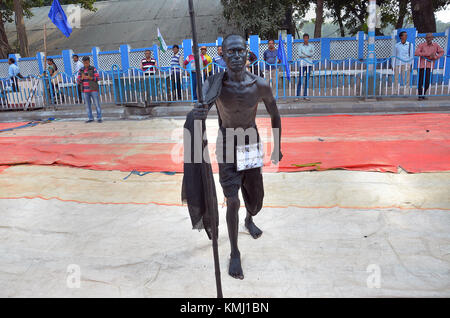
column 40, row 61
column 187, row 48
column 325, row 48
column 67, row 60
column 254, row 45
column 447, row 66
column 155, row 50
column 95, row 61
column 219, row 41
column 361, row 36
column 289, row 44
column 125, row 57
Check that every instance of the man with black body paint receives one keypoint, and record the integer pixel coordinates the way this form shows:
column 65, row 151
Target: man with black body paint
column 237, row 100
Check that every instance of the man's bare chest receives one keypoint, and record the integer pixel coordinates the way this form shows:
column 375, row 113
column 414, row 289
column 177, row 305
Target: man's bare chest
column 240, row 97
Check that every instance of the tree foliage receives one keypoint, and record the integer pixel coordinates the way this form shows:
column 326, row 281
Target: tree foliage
column 7, row 16
column 266, row 17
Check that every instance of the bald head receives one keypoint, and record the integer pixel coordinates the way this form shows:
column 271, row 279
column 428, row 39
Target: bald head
column 235, row 52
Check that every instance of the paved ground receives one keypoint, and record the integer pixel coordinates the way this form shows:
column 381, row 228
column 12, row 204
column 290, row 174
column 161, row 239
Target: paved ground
column 328, row 233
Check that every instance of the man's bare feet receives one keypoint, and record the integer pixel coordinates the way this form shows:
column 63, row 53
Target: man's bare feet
column 235, row 269
column 254, row 231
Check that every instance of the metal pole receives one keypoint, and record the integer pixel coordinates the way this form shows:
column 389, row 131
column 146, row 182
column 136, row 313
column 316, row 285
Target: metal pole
column 371, row 58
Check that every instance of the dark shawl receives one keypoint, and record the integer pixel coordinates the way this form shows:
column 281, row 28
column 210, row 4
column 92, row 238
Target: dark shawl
column 196, row 175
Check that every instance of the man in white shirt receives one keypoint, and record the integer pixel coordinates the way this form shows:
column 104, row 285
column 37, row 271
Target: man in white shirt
column 77, row 66
column 305, row 52
column 403, row 58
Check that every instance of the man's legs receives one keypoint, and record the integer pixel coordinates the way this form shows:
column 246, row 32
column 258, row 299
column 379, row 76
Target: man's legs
column 235, row 268
column 306, row 73
column 396, row 76
column 87, row 99
column 300, row 79
column 253, row 194
column 96, row 99
column 194, row 85
column 420, row 82
column 407, row 79
column 427, row 80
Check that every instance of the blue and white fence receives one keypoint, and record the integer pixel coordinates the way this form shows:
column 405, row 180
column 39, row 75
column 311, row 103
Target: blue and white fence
column 339, row 69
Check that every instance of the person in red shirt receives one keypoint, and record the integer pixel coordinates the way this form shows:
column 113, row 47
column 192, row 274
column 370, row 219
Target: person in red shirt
column 88, row 78
column 189, row 64
column 429, row 52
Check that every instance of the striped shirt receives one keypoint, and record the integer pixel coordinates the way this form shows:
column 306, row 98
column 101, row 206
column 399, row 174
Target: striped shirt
column 175, row 62
column 149, row 65
column 89, row 86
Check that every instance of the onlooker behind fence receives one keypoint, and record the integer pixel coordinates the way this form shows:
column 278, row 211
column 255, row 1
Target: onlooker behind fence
column 251, row 65
column 305, row 53
column 189, row 64
column 271, row 57
column 403, row 59
column 77, row 66
column 148, row 63
column 89, row 77
column 53, row 89
column 207, row 60
column 14, row 74
column 175, row 75
column 219, row 63
column 429, row 52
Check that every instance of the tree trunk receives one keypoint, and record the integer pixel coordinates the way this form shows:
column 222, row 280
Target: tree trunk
column 338, row 15
column 403, row 6
column 21, row 31
column 319, row 19
column 423, row 16
column 289, row 23
column 5, row 49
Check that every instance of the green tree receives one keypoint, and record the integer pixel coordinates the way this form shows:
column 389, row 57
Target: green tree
column 7, row 15
column 264, row 17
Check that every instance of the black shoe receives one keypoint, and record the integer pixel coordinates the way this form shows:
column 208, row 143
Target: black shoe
column 100, row 121
column 89, row 121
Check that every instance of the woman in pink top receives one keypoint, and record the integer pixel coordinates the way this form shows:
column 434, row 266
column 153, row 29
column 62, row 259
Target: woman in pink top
column 428, row 52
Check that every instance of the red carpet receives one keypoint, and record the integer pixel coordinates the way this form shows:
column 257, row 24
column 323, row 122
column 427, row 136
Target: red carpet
column 416, row 142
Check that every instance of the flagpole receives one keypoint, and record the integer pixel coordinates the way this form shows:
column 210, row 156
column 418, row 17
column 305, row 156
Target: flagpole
column 45, row 44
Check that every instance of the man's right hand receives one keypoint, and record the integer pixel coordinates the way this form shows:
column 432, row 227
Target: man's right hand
column 200, row 111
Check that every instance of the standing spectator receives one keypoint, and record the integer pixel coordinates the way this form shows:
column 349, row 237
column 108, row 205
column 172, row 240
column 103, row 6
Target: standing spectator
column 429, row 52
column 271, row 58
column 88, row 77
column 189, row 64
column 305, row 52
column 53, row 89
column 175, row 65
column 148, row 63
column 403, row 55
column 219, row 63
column 207, row 61
column 148, row 66
column 77, row 66
column 14, row 73
column 252, row 66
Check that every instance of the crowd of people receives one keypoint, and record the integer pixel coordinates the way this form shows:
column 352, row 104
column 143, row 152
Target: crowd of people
column 87, row 75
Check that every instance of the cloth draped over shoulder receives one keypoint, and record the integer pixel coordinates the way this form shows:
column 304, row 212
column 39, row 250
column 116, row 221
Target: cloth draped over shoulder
column 198, row 179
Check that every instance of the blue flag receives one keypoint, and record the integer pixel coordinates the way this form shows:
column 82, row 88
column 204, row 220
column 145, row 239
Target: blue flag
column 59, row 18
column 283, row 57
